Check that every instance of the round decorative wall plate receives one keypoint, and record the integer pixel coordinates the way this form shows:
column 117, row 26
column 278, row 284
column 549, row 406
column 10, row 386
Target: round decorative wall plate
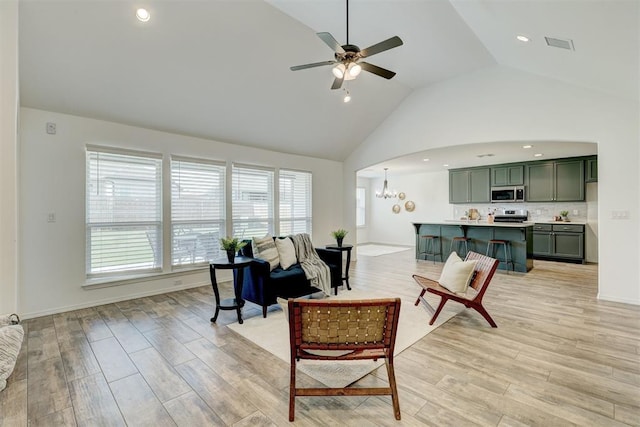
column 396, row 208
column 401, row 196
column 409, row 206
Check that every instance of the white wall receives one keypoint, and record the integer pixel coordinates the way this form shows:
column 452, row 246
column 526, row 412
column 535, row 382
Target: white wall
column 591, row 230
column 52, row 180
column 8, row 160
column 363, row 232
column 504, row 104
column 428, row 191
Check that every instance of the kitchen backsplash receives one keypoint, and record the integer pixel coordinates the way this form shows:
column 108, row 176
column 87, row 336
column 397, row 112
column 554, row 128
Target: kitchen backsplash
column 537, row 211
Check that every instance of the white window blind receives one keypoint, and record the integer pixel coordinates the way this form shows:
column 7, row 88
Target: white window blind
column 252, row 202
column 295, row 202
column 197, row 211
column 123, row 212
column 361, row 206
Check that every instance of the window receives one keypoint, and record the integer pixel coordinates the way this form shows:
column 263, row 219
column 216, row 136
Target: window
column 295, row 202
column 252, row 202
column 197, row 210
column 123, row 211
column 361, row 205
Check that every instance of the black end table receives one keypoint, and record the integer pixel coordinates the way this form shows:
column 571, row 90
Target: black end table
column 237, row 266
column 347, row 249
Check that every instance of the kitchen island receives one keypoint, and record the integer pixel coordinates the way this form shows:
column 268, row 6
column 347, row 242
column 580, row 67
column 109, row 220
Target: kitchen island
column 519, row 234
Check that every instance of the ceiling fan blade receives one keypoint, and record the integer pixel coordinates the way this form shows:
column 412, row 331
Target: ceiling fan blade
column 337, row 83
column 394, row 41
column 382, row 72
column 331, row 42
column 315, row 64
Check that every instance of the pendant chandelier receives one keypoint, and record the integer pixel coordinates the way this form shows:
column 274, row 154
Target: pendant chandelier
column 385, row 193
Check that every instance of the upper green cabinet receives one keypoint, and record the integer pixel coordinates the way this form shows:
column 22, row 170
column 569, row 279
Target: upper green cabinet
column 591, row 169
column 469, row 185
column 507, row 175
column 557, row 181
column 541, row 183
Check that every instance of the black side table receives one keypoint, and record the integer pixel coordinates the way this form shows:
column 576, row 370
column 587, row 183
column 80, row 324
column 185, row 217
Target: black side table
column 343, row 248
column 238, row 266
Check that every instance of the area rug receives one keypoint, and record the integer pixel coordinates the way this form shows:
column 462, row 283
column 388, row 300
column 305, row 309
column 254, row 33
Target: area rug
column 272, row 334
column 377, row 250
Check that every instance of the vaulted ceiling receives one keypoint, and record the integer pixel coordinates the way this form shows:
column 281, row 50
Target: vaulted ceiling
column 220, row 69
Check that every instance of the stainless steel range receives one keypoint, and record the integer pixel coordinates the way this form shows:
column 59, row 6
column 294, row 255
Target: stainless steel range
column 512, row 215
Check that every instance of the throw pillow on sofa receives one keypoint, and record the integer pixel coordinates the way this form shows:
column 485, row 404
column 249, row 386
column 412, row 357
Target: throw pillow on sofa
column 286, row 252
column 264, row 248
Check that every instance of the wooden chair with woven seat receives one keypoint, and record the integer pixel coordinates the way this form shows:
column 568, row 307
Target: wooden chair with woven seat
column 483, row 273
column 350, row 330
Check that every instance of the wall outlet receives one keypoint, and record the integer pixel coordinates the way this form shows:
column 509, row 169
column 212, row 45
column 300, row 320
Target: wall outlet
column 51, row 217
column 51, row 128
column 575, row 212
column 177, row 283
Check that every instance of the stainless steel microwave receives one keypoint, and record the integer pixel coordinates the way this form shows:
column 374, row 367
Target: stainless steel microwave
column 507, row 194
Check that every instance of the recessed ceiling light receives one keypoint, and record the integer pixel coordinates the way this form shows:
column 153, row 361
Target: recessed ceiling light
column 537, row 155
column 425, row 160
column 142, row 15
column 527, row 146
column 446, row 165
column 522, row 38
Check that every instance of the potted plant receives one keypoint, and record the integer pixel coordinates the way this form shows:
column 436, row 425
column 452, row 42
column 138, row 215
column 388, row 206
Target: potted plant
column 231, row 245
column 339, row 235
column 564, row 215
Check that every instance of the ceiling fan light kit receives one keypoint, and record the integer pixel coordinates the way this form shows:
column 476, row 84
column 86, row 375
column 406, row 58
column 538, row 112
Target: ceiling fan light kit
column 348, row 64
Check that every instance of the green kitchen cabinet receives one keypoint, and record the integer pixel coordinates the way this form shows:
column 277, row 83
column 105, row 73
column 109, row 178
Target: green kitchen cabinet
column 507, row 175
column 541, row 183
column 458, row 186
column 469, row 185
column 542, row 245
column 559, row 241
column 558, row 181
column 591, row 169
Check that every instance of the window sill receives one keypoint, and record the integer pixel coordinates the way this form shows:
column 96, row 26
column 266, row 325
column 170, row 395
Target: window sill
column 106, row 282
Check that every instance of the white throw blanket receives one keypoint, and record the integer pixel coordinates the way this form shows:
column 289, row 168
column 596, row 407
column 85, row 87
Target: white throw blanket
column 11, row 335
column 315, row 270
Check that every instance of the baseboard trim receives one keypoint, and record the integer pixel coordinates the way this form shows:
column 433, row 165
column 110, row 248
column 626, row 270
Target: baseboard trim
column 96, row 303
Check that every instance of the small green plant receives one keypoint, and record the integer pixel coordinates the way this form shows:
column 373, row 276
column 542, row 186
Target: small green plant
column 564, row 213
column 339, row 233
column 231, row 244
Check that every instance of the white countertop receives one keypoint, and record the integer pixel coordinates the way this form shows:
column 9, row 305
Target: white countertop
column 481, row 223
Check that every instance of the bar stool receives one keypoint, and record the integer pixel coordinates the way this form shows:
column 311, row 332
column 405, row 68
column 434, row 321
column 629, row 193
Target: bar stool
column 458, row 241
column 493, row 247
column 430, row 247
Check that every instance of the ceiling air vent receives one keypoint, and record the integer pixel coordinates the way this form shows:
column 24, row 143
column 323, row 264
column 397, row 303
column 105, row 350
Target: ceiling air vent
column 561, row 43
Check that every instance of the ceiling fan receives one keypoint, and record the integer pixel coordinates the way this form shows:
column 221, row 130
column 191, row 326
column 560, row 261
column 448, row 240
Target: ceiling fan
column 348, row 57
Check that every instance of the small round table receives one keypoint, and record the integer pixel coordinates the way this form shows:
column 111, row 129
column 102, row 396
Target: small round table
column 238, row 274
column 344, row 248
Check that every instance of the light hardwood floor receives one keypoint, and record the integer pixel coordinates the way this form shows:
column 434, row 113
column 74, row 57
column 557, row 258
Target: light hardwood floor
column 558, row 357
